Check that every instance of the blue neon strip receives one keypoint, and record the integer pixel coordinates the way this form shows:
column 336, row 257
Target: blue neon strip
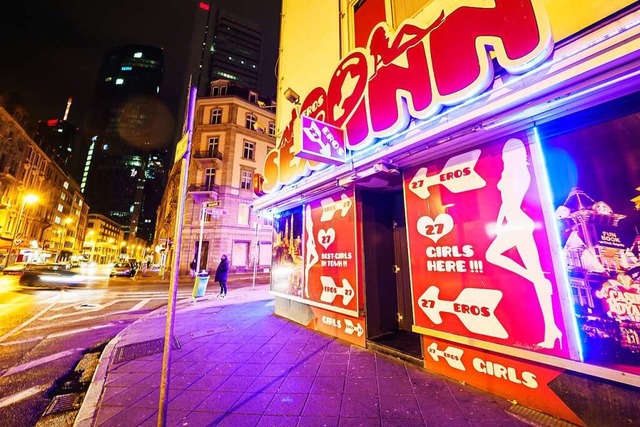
column 548, row 200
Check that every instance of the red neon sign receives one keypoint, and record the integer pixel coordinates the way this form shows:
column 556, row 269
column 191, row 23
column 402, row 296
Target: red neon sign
column 413, row 72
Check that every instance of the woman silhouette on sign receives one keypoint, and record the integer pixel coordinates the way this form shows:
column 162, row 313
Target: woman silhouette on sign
column 385, row 49
column 514, row 229
column 311, row 252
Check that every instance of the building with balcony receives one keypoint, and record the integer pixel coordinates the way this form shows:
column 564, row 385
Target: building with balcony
column 233, row 131
column 43, row 215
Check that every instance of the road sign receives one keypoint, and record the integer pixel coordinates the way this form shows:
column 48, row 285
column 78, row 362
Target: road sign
column 181, row 148
column 211, row 204
column 215, row 212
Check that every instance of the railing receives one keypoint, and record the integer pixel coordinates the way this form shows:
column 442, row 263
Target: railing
column 203, row 187
column 207, row 154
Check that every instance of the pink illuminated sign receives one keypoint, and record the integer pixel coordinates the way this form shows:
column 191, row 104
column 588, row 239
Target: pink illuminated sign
column 481, row 261
column 321, row 142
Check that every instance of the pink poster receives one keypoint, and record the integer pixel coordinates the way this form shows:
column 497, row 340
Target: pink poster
column 481, row 261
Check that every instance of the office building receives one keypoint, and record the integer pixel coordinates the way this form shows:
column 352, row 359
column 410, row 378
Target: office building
column 122, row 132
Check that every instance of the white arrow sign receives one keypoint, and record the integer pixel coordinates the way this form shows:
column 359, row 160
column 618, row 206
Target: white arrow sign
column 350, row 328
column 330, row 290
column 458, row 175
column 330, row 207
column 474, row 307
column 452, row 355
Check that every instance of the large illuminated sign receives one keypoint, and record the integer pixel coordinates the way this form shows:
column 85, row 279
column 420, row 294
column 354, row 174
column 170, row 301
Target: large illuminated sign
column 413, row 72
column 480, row 254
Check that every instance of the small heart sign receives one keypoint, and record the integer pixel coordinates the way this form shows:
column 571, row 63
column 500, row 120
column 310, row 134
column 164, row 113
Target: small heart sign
column 326, row 237
column 435, row 228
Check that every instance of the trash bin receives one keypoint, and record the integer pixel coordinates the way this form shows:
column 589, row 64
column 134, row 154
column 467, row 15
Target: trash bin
column 200, row 286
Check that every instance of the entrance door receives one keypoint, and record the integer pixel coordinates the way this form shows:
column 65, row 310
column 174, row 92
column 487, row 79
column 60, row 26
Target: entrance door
column 388, row 303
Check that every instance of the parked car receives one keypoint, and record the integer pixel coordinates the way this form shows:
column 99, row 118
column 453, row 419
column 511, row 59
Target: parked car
column 123, row 269
column 16, row 268
column 50, row 276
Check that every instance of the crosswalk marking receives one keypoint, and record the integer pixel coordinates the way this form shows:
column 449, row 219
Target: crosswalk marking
column 38, row 362
column 21, row 395
column 139, row 305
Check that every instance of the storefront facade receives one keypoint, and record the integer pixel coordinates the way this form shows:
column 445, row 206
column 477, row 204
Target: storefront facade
column 460, row 187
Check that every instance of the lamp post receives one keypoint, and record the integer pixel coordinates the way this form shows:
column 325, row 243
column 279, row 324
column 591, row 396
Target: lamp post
column 26, row 199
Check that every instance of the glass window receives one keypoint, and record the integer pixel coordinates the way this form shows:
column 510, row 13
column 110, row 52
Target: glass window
column 212, row 145
column 272, row 128
column 243, row 214
column 246, row 180
column 250, row 121
column 216, row 116
column 249, row 150
column 253, row 97
column 209, row 178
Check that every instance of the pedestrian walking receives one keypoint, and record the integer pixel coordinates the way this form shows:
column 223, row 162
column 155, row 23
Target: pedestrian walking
column 222, row 274
column 192, row 269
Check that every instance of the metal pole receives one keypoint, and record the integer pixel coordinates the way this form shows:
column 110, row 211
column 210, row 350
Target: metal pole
column 15, row 231
column 173, row 287
column 255, row 257
column 200, row 241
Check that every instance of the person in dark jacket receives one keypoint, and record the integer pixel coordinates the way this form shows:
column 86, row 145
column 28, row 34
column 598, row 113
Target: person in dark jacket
column 222, row 273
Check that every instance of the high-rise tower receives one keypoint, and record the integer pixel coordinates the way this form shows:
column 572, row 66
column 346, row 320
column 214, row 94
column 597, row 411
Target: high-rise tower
column 224, row 46
column 122, row 125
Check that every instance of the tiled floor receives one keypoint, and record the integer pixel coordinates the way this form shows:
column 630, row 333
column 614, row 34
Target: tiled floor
column 262, row 370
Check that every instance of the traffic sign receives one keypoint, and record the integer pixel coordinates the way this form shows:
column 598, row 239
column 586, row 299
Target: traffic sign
column 215, row 212
column 211, row 204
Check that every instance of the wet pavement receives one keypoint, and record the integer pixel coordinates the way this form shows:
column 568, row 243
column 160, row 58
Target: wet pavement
column 237, row 364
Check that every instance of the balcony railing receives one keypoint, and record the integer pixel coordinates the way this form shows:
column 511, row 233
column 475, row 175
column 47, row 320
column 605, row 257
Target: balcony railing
column 203, row 187
column 207, row 154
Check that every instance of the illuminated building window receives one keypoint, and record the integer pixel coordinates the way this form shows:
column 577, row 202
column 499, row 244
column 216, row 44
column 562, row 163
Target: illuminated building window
column 250, row 121
column 119, row 81
column 272, row 128
column 246, row 180
column 137, row 55
column 66, row 185
column 126, row 68
column 60, row 208
column 216, row 116
column 243, row 214
column 249, row 150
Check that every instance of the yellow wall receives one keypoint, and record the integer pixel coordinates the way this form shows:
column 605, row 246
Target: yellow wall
column 312, row 33
column 309, row 49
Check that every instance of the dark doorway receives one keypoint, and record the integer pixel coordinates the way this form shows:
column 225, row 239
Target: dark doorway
column 204, row 259
column 388, row 301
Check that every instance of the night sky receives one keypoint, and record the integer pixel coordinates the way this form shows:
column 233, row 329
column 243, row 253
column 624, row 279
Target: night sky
column 53, row 49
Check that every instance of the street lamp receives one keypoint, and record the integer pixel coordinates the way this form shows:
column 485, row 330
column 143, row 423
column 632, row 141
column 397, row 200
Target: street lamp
column 26, row 199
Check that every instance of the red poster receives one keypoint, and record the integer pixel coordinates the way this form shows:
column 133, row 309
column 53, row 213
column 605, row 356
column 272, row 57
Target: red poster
column 330, row 269
column 517, row 380
column 481, row 260
column 347, row 328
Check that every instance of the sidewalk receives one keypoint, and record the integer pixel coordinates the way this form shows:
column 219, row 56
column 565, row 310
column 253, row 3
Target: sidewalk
column 237, row 364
